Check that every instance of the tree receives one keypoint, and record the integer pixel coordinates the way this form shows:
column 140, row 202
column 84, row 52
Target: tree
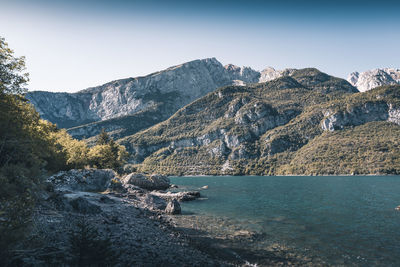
column 107, row 153
column 103, row 138
column 12, row 78
column 19, row 141
column 88, row 248
column 74, row 151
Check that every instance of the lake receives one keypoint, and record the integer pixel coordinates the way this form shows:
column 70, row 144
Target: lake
column 344, row 220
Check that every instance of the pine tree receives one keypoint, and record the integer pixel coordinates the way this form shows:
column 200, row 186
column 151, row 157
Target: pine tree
column 87, row 248
column 103, row 138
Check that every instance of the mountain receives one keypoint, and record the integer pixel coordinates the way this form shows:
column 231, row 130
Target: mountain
column 201, row 117
column 370, row 79
column 270, row 73
column 268, row 128
column 126, row 106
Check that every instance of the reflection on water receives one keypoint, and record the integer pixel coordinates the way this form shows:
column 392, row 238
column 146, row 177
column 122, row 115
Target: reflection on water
column 344, row 220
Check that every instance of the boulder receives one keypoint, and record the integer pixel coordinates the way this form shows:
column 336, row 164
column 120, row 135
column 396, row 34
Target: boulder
column 84, row 206
column 152, row 202
column 91, row 180
column 180, row 196
column 188, row 196
column 153, row 182
column 173, row 207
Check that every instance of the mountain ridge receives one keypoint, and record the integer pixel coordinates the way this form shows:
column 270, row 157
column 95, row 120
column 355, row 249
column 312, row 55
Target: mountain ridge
column 89, row 110
column 125, row 106
column 260, row 128
column 244, row 134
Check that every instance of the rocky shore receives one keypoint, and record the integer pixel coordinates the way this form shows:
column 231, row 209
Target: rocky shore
column 132, row 219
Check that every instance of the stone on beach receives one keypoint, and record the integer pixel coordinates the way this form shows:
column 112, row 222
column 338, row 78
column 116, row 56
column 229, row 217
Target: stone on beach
column 94, row 180
column 153, row 182
column 173, row 207
column 152, row 202
column 84, row 206
column 180, row 196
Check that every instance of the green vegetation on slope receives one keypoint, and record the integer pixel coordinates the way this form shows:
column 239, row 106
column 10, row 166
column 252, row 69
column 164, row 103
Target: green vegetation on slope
column 30, row 147
column 264, row 128
column 370, row 148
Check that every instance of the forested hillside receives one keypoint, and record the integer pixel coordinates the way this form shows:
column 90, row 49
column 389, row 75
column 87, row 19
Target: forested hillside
column 292, row 125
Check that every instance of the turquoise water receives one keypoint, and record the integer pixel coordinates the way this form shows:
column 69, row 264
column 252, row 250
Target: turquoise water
column 344, row 220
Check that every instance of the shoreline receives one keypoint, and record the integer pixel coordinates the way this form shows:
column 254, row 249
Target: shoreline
column 141, row 231
column 294, row 175
column 141, row 237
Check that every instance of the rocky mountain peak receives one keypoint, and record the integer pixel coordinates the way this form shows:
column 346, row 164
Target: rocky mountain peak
column 270, row 73
column 162, row 92
column 243, row 74
column 370, row 79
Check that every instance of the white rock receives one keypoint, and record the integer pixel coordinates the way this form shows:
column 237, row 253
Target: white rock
column 370, row 79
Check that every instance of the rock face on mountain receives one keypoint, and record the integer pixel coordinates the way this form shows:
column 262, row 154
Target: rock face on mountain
column 261, row 128
column 183, row 83
column 361, row 114
column 270, row 73
column 244, row 74
column 137, row 103
column 370, row 79
column 124, row 107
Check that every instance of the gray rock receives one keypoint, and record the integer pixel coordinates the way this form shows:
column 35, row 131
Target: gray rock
column 94, row 180
column 82, row 205
column 180, row 196
column 270, row 73
column 173, row 207
column 153, row 182
column 153, row 202
column 188, row 196
column 182, row 84
column 242, row 75
column 370, row 111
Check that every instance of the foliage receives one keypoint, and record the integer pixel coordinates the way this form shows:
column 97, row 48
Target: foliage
column 87, row 248
column 12, row 79
column 103, row 138
column 21, row 148
column 302, row 100
column 107, row 154
column 369, row 148
column 73, row 152
column 30, row 147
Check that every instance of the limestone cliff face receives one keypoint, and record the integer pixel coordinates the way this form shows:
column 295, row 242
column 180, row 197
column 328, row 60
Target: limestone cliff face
column 370, row 79
column 63, row 108
column 239, row 123
column 270, row 73
column 165, row 91
column 358, row 115
column 243, row 74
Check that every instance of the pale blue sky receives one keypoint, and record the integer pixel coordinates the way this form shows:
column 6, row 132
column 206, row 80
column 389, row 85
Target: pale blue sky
column 72, row 45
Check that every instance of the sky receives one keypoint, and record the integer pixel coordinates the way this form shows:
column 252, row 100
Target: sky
column 71, row 45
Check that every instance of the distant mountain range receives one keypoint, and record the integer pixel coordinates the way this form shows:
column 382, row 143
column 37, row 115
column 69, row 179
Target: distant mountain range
column 201, row 117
